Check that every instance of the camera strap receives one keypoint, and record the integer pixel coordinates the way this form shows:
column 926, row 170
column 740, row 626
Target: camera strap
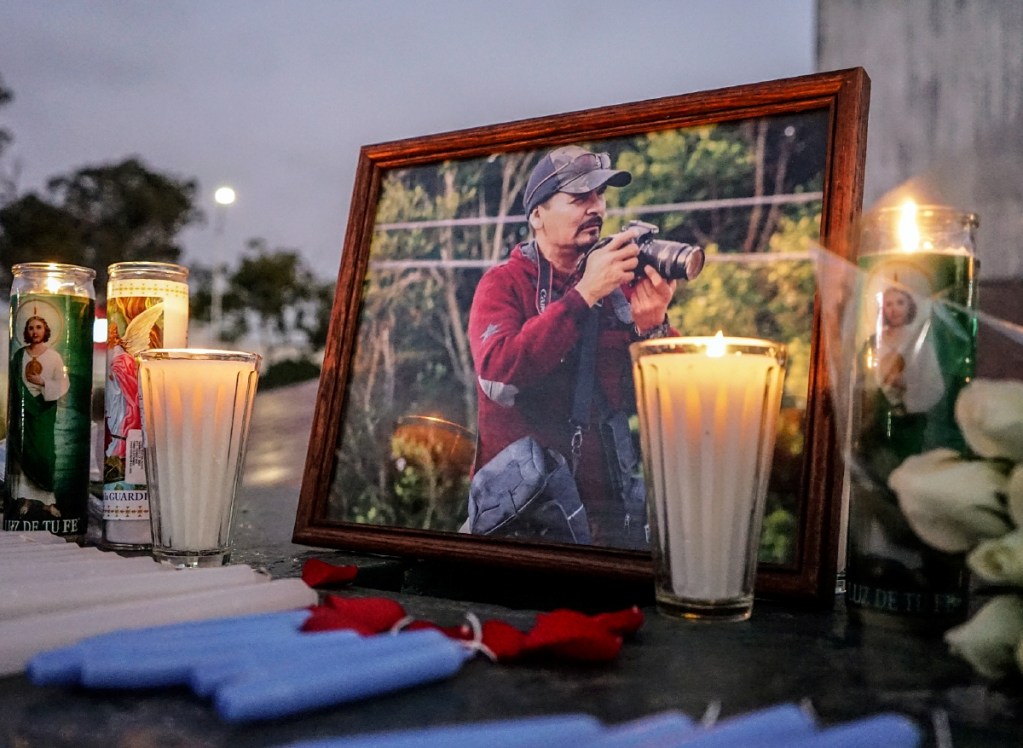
column 582, row 398
column 584, row 383
column 544, row 279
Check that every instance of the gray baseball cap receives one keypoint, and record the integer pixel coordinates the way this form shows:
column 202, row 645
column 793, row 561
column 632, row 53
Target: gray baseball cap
column 570, row 169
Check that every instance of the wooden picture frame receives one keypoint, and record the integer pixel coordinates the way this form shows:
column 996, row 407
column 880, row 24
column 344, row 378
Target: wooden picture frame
column 832, row 105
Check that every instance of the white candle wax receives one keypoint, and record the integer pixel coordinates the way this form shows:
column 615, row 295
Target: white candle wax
column 30, row 537
column 17, row 599
column 197, row 405
column 74, row 568
column 25, row 550
column 709, row 425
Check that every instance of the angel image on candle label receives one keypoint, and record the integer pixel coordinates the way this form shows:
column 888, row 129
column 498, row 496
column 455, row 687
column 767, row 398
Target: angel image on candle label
column 134, row 324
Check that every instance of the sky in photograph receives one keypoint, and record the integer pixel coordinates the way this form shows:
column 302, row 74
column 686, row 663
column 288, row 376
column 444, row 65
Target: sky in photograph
column 275, row 97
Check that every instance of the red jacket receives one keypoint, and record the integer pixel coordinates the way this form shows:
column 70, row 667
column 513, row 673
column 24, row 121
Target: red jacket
column 525, row 365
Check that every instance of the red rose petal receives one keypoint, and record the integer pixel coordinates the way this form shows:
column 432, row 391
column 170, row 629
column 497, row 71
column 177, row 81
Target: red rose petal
column 594, row 645
column 624, row 622
column 561, row 633
column 317, row 573
column 572, row 635
column 503, row 640
column 367, row 615
column 328, row 619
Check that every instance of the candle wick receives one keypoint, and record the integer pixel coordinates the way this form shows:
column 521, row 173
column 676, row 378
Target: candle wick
column 401, row 624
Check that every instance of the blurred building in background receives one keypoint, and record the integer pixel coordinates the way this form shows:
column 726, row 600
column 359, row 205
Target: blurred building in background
column 946, row 123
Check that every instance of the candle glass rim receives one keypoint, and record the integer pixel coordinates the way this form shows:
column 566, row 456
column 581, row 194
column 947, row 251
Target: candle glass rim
column 142, row 266
column 925, row 212
column 198, row 354
column 53, row 267
column 699, row 344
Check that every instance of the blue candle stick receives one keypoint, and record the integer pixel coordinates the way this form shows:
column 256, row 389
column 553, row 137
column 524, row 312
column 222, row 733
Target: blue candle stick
column 578, row 729
column 288, row 619
column 172, row 664
column 212, row 672
column 782, row 723
column 888, row 730
column 62, row 666
column 645, row 731
column 289, row 688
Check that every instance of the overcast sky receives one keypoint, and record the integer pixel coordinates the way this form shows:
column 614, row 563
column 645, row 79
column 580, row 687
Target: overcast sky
column 276, row 98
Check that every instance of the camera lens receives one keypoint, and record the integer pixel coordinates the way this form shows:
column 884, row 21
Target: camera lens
column 672, row 260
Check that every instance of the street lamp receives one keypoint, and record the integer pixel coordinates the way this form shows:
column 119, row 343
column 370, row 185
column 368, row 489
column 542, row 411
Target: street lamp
column 223, row 197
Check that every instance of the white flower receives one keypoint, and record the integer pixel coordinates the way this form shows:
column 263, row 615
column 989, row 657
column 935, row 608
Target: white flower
column 950, row 502
column 1014, row 495
column 989, row 640
column 999, row 561
column 990, row 414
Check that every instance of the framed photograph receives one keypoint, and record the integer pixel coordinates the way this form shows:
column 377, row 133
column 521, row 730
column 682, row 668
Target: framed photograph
column 455, row 332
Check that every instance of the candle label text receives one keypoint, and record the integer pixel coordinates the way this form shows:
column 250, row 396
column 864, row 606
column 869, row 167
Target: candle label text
column 911, row 603
column 126, row 504
column 56, row 526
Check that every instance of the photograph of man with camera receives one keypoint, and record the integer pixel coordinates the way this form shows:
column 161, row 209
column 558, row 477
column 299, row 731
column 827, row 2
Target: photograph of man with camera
column 549, row 330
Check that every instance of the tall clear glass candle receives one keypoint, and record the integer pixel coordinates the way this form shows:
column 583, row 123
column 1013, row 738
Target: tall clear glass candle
column 46, row 485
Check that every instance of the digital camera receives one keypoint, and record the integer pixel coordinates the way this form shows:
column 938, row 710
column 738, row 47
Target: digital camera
column 672, row 260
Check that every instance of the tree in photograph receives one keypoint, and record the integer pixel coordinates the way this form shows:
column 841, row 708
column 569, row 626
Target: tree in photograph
column 413, row 356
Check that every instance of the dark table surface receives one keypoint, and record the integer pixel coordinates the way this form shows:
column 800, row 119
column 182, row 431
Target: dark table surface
column 783, row 654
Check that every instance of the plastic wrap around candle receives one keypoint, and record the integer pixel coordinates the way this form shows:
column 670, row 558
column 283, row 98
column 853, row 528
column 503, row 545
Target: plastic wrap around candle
column 708, row 410
column 197, row 405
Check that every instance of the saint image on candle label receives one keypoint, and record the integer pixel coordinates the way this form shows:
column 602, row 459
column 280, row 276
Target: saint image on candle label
column 915, row 354
column 48, row 424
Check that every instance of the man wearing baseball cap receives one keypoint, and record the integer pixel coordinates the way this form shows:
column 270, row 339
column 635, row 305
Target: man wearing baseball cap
column 526, row 329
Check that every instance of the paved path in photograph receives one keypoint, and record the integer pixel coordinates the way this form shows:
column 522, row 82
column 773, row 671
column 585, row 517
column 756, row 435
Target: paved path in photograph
column 278, row 439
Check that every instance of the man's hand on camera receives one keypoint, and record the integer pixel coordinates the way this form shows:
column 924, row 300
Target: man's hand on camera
column 609, row 267
column 650, row 298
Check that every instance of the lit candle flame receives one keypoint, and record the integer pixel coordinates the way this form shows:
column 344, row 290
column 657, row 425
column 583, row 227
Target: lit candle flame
column 909, row 230
column 716, row 346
